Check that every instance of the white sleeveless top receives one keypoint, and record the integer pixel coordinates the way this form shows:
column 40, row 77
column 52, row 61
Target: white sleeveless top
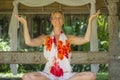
column 58, row 56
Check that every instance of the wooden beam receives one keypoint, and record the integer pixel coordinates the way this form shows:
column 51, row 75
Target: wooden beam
column 66, row 11
column 38, row 58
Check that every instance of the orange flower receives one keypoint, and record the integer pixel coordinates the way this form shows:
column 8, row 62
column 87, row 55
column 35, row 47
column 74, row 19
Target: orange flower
column 48, row 43
column 60, row 50
column 60, row 43
column 68, row 46
column 60, row 56
column 63, row 50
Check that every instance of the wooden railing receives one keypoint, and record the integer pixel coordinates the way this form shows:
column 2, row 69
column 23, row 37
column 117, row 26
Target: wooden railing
column 38, row 58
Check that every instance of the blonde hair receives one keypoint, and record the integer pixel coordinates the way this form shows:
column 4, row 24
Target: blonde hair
column 52, row 14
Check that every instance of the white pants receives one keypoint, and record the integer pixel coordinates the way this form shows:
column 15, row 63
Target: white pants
column 52, row 77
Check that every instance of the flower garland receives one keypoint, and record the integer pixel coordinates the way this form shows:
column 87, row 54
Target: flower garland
column 63, row 51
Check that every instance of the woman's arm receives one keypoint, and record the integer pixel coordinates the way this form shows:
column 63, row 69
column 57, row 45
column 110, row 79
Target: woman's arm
column 28, row 41
column 82, row 40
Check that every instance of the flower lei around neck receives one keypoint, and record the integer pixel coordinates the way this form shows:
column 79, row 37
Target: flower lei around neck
column 62, row 51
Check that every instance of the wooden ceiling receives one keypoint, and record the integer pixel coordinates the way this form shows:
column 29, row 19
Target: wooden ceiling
column 6, row 7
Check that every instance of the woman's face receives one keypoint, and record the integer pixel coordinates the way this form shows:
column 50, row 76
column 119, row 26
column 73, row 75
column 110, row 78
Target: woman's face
column 57, row 20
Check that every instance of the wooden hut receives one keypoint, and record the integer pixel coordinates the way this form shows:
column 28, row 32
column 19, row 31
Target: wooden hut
column 110, row 7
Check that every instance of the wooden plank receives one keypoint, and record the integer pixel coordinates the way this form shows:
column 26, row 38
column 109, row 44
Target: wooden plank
column 38, row 58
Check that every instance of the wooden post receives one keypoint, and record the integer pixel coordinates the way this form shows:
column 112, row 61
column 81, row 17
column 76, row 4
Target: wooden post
column 114, row 70
column 94, row 39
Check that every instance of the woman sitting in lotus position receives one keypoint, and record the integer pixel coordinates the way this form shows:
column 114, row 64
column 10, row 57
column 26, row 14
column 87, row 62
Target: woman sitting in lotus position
column 57, row 50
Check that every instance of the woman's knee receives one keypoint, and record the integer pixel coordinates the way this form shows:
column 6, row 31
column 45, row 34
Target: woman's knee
column 89, row 75
column 28, row 76
column 25, row 77
column 92, row 76
column 34, row 76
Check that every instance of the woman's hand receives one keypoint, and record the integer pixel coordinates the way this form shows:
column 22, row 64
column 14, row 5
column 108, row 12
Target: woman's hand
column 94, row 15
column 21, row 19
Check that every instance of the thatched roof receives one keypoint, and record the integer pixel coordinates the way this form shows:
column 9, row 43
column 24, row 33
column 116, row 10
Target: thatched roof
column 6, row 6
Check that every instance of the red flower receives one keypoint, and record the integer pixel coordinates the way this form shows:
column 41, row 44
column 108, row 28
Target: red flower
column 48, row 43
column 56, row 70
column 54, row 41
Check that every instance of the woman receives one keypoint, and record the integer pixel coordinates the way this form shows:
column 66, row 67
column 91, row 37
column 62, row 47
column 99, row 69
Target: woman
column 57, row 50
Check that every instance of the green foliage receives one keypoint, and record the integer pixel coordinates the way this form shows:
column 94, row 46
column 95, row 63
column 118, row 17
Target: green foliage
column 4, row 45
column 4, row 23
column 68, row 30
column 4, row 68
column 102, row 76
column 23, row 68
column 103, row 33
column 103, row 68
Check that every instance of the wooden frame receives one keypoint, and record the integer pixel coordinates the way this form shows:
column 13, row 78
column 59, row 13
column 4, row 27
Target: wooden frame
column 110, row 57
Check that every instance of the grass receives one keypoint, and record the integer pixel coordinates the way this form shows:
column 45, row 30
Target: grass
column 10, row 75
column 100, row 76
